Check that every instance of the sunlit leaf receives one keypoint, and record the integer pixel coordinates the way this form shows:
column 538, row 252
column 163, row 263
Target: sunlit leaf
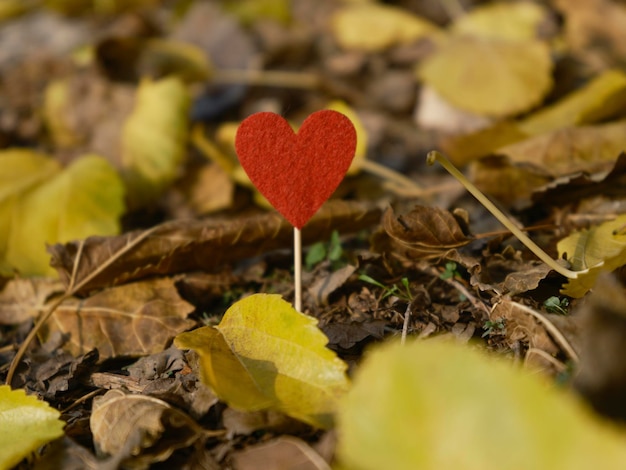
column 26, row 424
column 154, row 138
column 40, row 204
column 517, row 21
column 490, row 77
column 374, row 27
column 600, row 248
column 266, row 355
column 600, row 98
column 361, row 133
column 439, row 405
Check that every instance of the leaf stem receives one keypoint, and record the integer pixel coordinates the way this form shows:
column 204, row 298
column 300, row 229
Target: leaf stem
column 435, row 156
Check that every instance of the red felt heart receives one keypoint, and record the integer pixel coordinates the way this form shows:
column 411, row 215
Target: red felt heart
column 297, row 173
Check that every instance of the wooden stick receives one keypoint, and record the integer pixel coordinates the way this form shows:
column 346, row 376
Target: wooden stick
column 297, row 268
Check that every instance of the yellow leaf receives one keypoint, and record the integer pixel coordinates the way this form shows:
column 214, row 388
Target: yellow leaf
column 26, row 424
column 600, row 248
column 154, row 138
column 374, row 27
column 600, row 98
column 250, row 10
column 266, row 355
column 361, row 134
column 518, row 21
column 55, row 101
column 46, row 205
column 490, row 77
column 439, row 405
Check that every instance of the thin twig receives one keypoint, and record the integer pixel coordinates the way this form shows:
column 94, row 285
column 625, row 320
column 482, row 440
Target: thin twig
column 502, row 218
column 553, row 330
column 405, row 326
column 390, row 175
column 275, row 78
column 544, row 355
column 71, row 289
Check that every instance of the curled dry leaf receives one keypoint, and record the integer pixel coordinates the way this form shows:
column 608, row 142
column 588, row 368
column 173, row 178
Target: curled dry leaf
column 425, row 232
column 190, row 245
column 131, row 320
column 139, row 427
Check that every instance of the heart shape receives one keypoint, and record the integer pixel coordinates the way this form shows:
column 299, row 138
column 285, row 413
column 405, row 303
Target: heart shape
column 297, row 173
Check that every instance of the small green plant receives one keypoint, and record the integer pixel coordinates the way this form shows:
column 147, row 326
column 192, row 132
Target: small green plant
column 493, row 327
column 394, row 289
column 450, row 272
column 556, row 305
column 320, row 251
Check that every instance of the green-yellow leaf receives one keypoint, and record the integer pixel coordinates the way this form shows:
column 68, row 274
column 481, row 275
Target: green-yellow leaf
column 600, row 98
column 182, row 59
column 439, row 405
column 250, row 10
column 40, row 203
column 154, row 138
column 517, row 21
column 26, row 424
column 600, row 248
column 266, row 355
column 374, row 27
column 489, row 76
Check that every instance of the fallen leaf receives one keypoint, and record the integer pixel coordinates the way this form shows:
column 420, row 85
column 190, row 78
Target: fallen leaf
column 266, row 355
column 517, row 21
column 129, row 320
column 181, row 246
column 425, row 232
column 25, row 425
column 352, row 26
column 599, row 99
column 599, row 248
column 279, row 454
column 25, row 299
column 464, row 409
column 361, row 134
column 248, row 11
column 322, row 288
column 154, row 138
column 38, row 205
column 526, row 166
column 140, row 428
column 211, row 190
column 510, row 77
column 168, row 57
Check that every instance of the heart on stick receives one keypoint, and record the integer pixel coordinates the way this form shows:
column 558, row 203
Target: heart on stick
column 296, row 173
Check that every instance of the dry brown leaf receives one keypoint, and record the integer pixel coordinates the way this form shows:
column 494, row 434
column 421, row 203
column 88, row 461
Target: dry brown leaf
column 181, row 246
column 285, row 452
column 425, row 232
column 141, row 428
column 23, row 299
column 131, row 320
column 323, row 287
column 575, row 187
column 520, row 326
column 532, row 163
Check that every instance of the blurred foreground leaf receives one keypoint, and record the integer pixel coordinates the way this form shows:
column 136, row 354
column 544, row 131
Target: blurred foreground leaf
column 266, row 355
column 26, row 424
column 40, row 203
column 600, row 248
column 438, row 405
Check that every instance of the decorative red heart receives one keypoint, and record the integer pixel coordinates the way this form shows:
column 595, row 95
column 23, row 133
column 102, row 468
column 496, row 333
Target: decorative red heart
column 297, row 173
